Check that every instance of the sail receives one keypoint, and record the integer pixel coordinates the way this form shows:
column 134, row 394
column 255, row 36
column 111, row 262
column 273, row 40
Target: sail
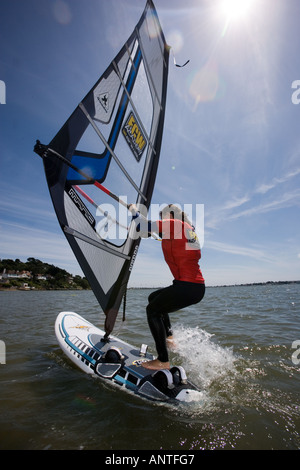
column 110, row 146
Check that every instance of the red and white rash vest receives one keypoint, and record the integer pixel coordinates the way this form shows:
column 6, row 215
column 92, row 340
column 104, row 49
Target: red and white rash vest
column 180, row 246
column 181, row 249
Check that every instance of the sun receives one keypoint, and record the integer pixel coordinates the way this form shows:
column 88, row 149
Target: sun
column 236, row 9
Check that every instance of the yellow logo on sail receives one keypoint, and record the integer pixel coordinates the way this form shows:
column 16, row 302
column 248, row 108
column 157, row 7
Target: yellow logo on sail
column 134, row 136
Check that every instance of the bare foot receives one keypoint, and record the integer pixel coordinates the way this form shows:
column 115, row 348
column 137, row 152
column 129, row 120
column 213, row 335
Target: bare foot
column 156, row 365
column 170, row 342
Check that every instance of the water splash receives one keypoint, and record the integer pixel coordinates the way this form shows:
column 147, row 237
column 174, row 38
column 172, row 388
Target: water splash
column 203, row 360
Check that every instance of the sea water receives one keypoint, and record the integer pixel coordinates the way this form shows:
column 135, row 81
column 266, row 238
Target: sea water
column 240, row 346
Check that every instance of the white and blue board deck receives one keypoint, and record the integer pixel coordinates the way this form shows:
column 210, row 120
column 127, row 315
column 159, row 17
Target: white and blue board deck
column 119, row 362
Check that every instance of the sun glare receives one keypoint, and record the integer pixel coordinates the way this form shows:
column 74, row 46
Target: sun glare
column 235, row 9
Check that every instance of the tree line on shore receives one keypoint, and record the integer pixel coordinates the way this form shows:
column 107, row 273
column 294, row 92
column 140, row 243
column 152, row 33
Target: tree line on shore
column 38, row 275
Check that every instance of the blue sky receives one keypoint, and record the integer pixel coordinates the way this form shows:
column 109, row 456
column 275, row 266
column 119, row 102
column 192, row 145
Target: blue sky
column 231, row 137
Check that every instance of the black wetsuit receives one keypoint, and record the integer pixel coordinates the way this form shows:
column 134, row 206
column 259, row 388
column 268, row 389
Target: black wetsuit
column 164, row 301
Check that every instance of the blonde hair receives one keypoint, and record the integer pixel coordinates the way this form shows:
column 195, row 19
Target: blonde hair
column 174, row 211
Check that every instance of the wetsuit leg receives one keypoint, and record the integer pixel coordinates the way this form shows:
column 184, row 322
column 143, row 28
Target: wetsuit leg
column 158, row 332
column 158, row 320
column 165, row 317
column 165, row 301
column 167, row 324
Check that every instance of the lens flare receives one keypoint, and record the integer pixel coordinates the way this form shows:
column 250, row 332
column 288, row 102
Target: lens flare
column 175, row 39
column 205, row 83
column 151, row 26
column 84, row 401
column 62, row 12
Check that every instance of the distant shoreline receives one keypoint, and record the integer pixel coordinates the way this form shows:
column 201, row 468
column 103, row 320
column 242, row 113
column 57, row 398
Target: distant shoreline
column 249, row 284
column 258, row 284
column 14, row 289
column 40, row 289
